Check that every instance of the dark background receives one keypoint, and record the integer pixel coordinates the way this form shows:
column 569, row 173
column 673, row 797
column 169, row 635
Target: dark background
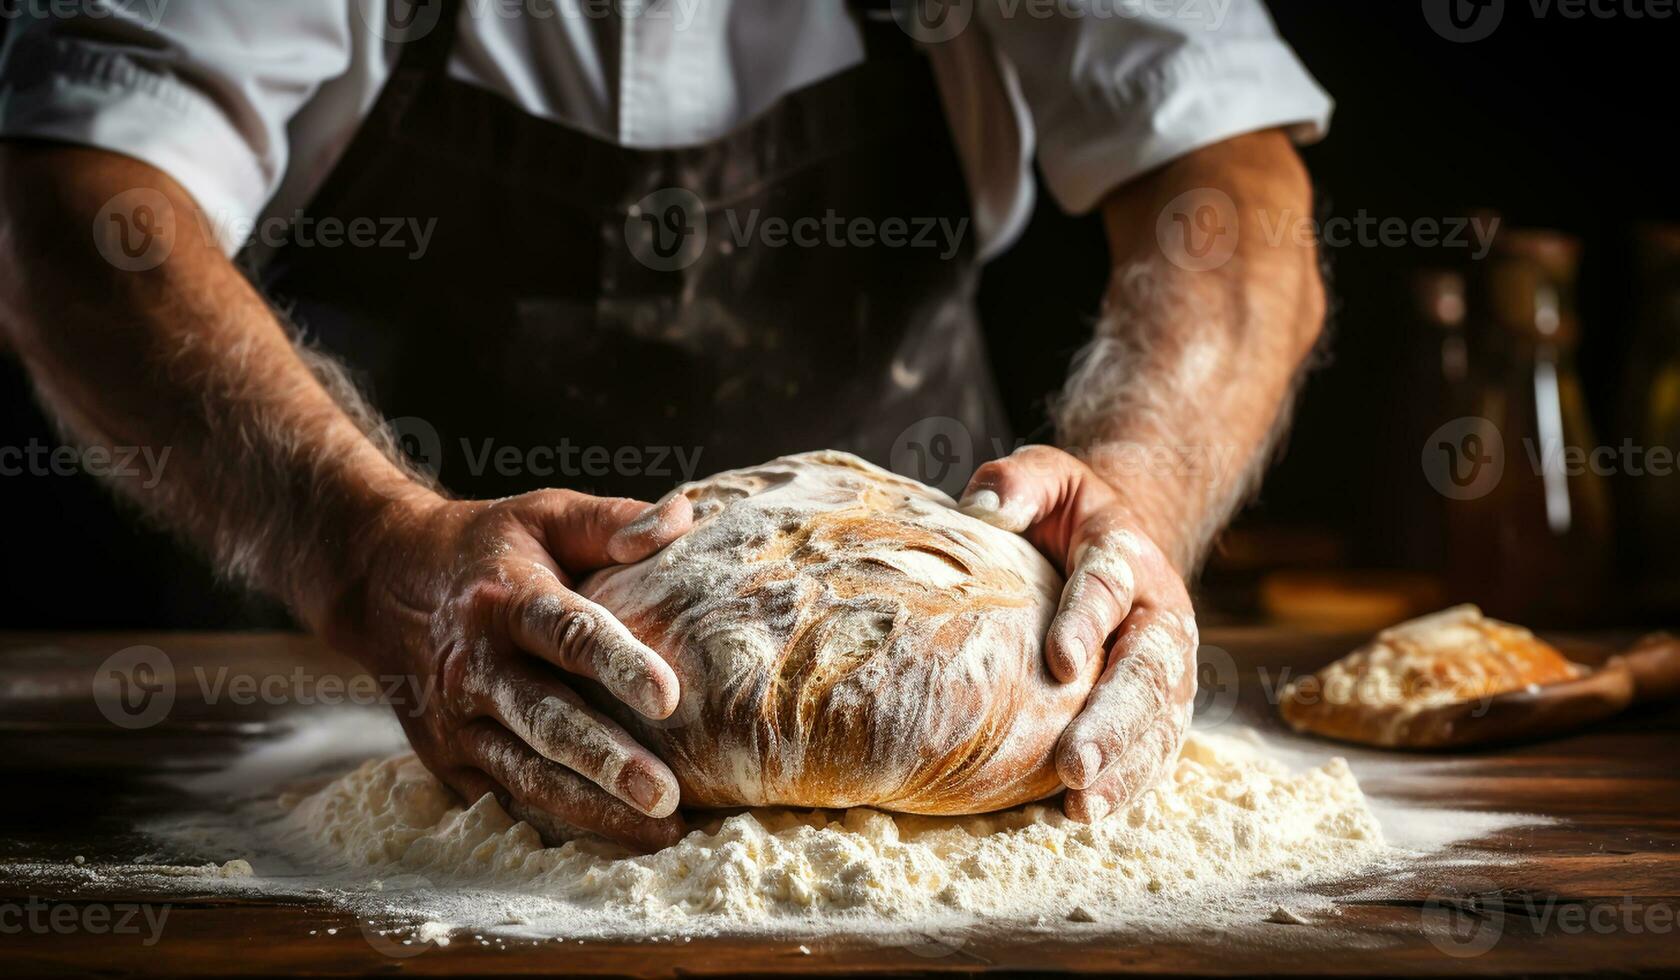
column 1554, row 122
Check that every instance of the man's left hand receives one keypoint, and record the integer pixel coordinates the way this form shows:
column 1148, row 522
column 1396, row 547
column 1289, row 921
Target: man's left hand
column 1120, row 585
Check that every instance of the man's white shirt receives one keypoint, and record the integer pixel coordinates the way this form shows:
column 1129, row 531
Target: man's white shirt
column 250, row 103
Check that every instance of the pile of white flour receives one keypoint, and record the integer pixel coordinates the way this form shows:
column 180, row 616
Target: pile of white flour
column 1229, row 821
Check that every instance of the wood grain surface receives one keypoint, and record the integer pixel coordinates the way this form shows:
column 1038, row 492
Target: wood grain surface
column 1593, row 890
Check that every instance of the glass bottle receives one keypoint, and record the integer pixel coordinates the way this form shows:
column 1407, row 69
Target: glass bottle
column 1653, row 474
column 1531, row 530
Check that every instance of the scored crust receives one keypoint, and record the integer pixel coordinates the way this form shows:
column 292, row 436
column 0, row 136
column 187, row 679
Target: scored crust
column 1433, row 682
column 844, row 637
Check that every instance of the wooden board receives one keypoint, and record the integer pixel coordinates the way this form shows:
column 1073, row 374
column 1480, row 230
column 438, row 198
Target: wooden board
column 1594, row 891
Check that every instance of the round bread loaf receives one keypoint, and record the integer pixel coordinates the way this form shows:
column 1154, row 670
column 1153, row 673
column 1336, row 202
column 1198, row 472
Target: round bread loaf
column 844, row 637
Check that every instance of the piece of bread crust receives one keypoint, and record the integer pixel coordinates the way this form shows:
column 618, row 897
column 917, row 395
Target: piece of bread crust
column 1452, row 679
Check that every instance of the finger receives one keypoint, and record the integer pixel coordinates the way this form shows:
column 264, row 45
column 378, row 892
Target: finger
column 554, row 721
column 471, row 784
column 1097, row 597
column 550, row 621
column 559, row 799
column 1013, row 493
column 653, row 529
column 1142, row 765
column 581, row 531
column 1151, row 677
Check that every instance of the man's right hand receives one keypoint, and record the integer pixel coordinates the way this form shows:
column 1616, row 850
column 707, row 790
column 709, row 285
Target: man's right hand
column 474, row 600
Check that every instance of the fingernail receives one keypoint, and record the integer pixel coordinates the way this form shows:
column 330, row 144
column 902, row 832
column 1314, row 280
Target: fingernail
column 1096, row 807
column 631, row 542
column 1090, row 763
column 980, row 502
column 645, row 791
column 1070, row 649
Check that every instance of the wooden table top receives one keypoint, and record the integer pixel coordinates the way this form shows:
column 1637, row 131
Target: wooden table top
column 1594, row 890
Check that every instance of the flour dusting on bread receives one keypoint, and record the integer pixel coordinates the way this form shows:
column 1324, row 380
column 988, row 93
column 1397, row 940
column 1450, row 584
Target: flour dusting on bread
column 845, row 637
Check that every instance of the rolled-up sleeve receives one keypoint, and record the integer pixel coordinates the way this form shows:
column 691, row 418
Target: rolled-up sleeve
column 1118, row 87
column 201, row 89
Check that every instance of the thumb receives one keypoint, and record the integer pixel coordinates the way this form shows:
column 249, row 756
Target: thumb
column 585, row 533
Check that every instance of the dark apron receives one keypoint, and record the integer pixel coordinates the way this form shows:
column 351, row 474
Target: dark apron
column 614, row 320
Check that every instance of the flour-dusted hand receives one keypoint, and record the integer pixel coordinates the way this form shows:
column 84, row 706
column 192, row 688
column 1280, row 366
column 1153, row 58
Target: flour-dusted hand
column 1120, row 585
column 474, row 599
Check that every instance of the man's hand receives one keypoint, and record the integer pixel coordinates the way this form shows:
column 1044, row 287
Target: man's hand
column 474, row 600
column 1117, row 580
column 272, row 474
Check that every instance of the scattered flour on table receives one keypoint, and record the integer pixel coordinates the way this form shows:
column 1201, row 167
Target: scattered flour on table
column 1228, row 820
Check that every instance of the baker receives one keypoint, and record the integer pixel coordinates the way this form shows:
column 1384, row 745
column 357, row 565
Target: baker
column 691, row 225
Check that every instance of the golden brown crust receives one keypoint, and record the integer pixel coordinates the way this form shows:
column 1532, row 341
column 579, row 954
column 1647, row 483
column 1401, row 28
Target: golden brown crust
column 844, row 637
column 1450, row 678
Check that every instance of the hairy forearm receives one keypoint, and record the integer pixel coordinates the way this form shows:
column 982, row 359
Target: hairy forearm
column 1187, row 385
column 269, row 468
